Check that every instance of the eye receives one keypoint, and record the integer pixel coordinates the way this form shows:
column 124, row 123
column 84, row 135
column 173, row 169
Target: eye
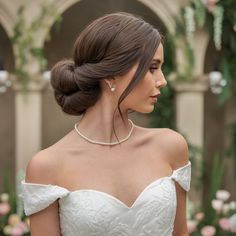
column 153, row 68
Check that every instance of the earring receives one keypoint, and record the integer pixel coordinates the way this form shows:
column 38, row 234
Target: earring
column 112, row 86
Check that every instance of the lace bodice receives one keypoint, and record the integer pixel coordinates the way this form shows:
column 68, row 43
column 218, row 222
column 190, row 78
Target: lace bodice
column 88, row 212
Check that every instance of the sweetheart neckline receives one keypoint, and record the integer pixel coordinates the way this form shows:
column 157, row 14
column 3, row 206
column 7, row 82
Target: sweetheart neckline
column 110, row 195
column 117, row 199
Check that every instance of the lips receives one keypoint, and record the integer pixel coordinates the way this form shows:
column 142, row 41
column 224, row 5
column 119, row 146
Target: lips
column 155, row 96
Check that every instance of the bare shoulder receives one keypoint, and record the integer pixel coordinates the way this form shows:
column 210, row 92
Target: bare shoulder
column 43, row 167
column 174, row 145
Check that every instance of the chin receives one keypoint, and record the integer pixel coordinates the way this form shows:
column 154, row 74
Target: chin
column 145, row 110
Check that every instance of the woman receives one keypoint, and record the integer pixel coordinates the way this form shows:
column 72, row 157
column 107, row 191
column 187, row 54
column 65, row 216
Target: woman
column 109, row 176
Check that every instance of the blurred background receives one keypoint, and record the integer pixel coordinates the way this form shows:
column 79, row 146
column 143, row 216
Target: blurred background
column 199, row 101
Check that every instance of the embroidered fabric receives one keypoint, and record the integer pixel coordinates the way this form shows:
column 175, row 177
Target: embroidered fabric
column 88, row 212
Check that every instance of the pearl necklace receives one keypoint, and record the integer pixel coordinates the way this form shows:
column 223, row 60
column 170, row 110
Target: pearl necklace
column 106, row 143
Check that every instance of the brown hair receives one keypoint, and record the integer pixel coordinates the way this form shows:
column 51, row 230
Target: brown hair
column 107, row 47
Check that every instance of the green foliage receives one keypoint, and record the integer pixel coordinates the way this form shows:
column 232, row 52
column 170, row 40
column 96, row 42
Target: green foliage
column 217, row 172
column 199, row 12
column 163, row 114
column 186, row 39
column 10, row 189
column 24, row 40
column 7, row 224
column 218, row 207
column 232, row 148
column 220, row 21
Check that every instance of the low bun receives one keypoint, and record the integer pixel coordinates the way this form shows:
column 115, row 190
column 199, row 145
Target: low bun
column 107, row 48
column 72, row 91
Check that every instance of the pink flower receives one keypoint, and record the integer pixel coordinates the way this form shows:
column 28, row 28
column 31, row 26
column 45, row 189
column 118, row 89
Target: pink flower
column 23, row 226
column 210, row 4
column 192, row 226
column 208, row 230
column 199, row 216
column 17, row 231
column 217, row 204
column 225, row 223
column 222, row 195
column 4, row 208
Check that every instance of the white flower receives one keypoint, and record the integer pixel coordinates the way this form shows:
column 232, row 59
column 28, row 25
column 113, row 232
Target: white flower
column 232, row 205
column 208, row 230
column 218, row 14
column 7, row 230
column 226, row 208
column 199, row 216
column 4, row 197
column 233, row 220
column 189, row 22
column 217, row 204
column 222, row 195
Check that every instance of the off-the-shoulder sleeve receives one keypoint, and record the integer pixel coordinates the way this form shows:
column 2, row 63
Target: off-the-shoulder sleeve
column 182, row 175
column 37, row 197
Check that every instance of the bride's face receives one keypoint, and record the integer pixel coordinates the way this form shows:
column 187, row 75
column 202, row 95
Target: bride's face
column 139, row 99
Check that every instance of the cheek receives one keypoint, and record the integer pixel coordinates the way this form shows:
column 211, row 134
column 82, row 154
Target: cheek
column 146, row 82
column 143, row 88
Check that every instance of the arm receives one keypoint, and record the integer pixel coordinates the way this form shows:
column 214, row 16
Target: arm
column 42, row 169
column 180, row 225
column 46, row 222
column 179, row 157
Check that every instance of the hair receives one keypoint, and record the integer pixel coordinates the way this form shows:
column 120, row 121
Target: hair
column 107, row 47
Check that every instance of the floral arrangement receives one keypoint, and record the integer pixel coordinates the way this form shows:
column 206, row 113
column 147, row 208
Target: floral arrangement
column 25, row 42
column 11, row 223
column 195, row 15
column 218, row 17
column 223, row 222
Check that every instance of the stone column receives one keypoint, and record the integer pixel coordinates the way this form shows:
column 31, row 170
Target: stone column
column 28, row 116
column 190, row 123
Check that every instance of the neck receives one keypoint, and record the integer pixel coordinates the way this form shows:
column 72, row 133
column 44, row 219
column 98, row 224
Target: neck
column 97, row 123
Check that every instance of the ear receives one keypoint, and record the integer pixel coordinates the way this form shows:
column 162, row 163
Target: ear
column 108, row 82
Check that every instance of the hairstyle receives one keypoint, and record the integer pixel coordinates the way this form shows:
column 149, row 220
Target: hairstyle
column 107, row 47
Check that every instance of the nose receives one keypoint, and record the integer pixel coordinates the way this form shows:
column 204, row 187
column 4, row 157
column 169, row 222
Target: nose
column 160, row 83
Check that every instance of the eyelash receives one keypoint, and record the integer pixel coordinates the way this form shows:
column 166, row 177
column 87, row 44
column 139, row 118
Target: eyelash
column 152, row 68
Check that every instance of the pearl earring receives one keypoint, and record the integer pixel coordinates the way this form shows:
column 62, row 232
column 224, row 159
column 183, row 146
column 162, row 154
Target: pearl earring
column 112, row 89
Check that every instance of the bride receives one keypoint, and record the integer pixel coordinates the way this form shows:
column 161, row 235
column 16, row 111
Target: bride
column 108, row 176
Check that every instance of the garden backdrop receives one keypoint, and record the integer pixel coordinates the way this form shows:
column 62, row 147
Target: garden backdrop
column 199, row 101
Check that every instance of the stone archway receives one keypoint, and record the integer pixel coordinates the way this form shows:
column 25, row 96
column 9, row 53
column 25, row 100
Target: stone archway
column 164, row 10
column 7, row 16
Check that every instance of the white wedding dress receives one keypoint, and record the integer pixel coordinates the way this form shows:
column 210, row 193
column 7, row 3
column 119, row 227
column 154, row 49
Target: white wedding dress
column 88, row 212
